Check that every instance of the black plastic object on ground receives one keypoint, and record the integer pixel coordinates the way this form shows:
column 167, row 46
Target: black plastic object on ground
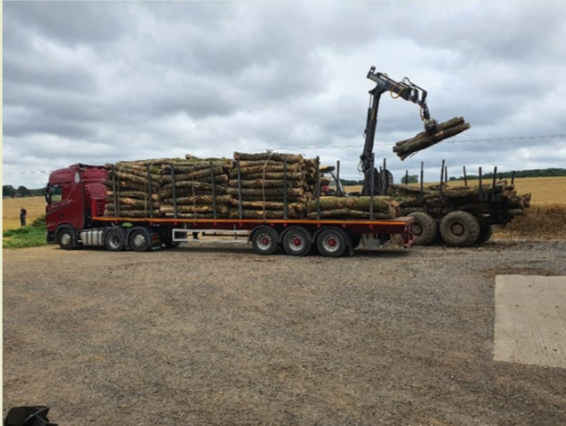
column 28, row 416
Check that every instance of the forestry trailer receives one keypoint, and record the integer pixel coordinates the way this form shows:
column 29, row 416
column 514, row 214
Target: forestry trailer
column 77, row 196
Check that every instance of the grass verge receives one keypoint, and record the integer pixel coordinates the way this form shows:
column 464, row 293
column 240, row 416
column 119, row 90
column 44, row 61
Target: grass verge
column 29, row 236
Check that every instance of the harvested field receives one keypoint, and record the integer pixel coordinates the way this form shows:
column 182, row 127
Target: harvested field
column 387, row 337
column 35, row 207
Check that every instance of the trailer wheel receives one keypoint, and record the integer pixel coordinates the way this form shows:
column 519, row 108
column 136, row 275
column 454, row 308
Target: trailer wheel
column 332, row 242
column 459, row 229
column 486, row 232
column 425, row 229
column 66, row 238
column 167, row 238
column 297, row 241
column 139, row 238
column 264, row 240
column 115, row 239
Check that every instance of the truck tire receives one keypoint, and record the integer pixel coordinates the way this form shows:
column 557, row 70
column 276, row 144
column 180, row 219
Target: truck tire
column 167, row 238
column 115, row 239
column 297, row 241
column 332, row 242
column 459, row 229
column 486, row 232
column 425, row 229
column 67, row 238
column 140, row 239
column 264, row 240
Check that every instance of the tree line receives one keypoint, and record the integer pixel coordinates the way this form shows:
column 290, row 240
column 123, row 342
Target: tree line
column 10, row 191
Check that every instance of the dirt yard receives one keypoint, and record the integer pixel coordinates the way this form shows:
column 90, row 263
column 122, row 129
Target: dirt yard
column 204, row 335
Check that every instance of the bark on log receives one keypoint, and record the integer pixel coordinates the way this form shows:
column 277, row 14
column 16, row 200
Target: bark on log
column 260, row 183
column 382, row 203
column 133, row 202
column 200, row 208
column 266, row 191
column 198, row 199
column 133, row 194
column 423, row 140
column 268, row 205
column 259, row 214
column 269, row 168
column 130, row 186
column 272, row 156
column 269, row 175
column 202, row 173
column 349, row 214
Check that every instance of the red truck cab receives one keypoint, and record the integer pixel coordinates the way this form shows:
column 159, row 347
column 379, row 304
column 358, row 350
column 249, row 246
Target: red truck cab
column 74, row 195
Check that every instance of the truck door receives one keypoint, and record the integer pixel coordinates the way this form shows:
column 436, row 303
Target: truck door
column 65, row 200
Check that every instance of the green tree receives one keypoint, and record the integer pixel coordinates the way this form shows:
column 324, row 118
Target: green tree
column 409, row 179
column 24, row 192
column 8, row 191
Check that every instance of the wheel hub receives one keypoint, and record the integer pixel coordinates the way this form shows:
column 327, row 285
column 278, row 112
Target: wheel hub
column 417, row 229
column 66, row 239
column 139, row 240
column 264, row 241
column 457, row 229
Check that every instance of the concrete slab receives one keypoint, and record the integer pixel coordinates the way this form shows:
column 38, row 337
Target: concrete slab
column 530, row 320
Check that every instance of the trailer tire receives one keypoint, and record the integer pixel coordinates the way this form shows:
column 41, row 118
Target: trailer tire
column 332, row 242
column 167, row 238
column 115, row 239
column 425, row 229
column 459, row 229
column 67, row 238
column 140, row 239
column 264, row 240
column 486, row 232
column 297, row 241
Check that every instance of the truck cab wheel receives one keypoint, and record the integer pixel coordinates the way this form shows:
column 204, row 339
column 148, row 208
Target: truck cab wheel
column 140, row 239
column 459, row 229
column 332, row 242
column 67, row 239
column 297, row 241
column 115, row 239
column 264, row 240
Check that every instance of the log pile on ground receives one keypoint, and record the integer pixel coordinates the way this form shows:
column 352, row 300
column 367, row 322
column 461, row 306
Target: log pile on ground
column 384, row 207
column 266, row 187
column 197, row 187
column 503, row 197
column 423, row 140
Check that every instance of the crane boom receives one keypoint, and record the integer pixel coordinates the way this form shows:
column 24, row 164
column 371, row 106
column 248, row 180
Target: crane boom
column 405, row 90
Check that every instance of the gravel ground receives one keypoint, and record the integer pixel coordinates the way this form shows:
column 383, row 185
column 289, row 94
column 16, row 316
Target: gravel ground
column 204, row 335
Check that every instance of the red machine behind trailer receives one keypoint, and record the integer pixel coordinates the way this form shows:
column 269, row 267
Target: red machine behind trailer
column 76, row 197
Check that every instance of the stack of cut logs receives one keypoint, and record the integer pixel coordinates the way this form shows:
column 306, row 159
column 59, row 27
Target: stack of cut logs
column 263, row 192
column 196, row 187
column 353, row 207
column 441, row 201
column 132, row 188
column 265, row 185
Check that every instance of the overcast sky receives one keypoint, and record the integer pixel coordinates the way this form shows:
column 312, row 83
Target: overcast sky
column 102, row 82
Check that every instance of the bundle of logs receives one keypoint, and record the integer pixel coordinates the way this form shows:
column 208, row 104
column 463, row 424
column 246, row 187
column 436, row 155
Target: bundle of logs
column 251, row 186
column 441, row 200
column 133, row 188
column 196, row 188
column 423, row 140
column 271, row 185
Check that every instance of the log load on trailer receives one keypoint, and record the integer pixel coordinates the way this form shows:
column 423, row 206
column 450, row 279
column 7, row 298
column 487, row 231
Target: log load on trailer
column 275, row 202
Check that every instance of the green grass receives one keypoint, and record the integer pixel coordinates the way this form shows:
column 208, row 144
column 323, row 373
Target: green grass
column 29, row 236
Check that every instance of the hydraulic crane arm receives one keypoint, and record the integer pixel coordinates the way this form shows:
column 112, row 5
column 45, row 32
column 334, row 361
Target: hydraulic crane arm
column 405, row 90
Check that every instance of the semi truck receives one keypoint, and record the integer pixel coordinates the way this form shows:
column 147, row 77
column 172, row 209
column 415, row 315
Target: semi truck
column 76, row 198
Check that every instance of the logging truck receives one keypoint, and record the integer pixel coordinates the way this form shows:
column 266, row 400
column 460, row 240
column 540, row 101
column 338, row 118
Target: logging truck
column 76, row 198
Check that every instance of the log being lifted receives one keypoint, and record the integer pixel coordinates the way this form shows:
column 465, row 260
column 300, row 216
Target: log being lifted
column 423, row 140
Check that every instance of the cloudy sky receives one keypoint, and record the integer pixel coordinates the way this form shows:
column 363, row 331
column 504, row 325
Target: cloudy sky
column 101, row 82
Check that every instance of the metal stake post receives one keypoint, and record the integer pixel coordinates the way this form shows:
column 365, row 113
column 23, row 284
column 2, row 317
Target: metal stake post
column 480, row 189
column 371, row 186
column 239, row 189
column 285, row 188
column 114, row 191
column 441, row 183
column 338, row 186
column 421, row 195
column 174, row 192
column 213, row 189
column 513, row 177
column 149, row 191
column 465, row 177
column 318, row 188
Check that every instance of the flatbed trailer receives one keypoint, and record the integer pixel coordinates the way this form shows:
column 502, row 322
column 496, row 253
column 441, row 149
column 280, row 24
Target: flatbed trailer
column 77, row 220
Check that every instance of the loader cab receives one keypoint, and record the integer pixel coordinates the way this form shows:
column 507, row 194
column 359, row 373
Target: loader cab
column 73, row 195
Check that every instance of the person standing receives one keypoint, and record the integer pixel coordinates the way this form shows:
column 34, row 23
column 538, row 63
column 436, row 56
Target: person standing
column 23, row 214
